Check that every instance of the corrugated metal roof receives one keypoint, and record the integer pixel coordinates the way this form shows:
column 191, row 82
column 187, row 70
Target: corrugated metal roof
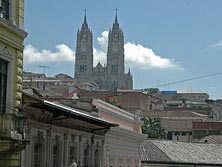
column 216, row 139
column 181, row 152
column 76, row 112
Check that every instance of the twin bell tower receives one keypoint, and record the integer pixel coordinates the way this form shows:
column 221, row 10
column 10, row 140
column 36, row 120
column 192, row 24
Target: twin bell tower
column 110, row 76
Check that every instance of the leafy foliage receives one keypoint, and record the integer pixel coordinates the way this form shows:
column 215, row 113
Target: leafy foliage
column 153, row 128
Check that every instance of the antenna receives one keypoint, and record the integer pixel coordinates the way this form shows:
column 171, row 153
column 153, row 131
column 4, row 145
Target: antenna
column 44, row 68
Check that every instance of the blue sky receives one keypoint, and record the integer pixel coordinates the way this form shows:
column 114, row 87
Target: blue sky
column 165, row 41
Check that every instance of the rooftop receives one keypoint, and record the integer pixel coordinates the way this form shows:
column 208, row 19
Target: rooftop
column 191, row 91
column 162, row 151
column 215, row 139
column 174, row 114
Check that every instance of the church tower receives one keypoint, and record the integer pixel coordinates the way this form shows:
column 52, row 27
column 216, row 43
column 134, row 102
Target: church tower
column 115, row 54
column 84, row 53
column 110, row 76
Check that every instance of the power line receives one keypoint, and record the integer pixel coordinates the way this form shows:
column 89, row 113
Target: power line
column 190, row 79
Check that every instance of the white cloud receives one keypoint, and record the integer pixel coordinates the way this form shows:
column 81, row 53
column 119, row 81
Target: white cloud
column 33, row 55
column 103, row 41
column 99, row 56
column 142, row 57
column 100, row 53
column 217, row 45
column 136, row 55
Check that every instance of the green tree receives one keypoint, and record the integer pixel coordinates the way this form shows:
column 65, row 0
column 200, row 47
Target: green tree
column 153, row 128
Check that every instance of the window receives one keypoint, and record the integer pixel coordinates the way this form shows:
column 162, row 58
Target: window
column 56, row 153
column 184, row 134
column 3, row 84
column 82, row 68
column 114, row 69
column 72, row 154
column 37, row 154
column 120, row 162
column 55, row 156
column 4, row 9
column 86, row 155
column 97, row 158
column 83, row 57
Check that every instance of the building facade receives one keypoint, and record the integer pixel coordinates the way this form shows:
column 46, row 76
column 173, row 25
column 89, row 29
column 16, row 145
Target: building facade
column 122, row 143
column 12, row 35
column 129, row 100
column 185, row 95
column 60, row 135
column 177, row 124
column 202, row 129
column 110, row 76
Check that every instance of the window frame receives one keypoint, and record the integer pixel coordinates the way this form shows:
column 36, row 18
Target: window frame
column 5, row 9
column 82, row 68
column 3, row 84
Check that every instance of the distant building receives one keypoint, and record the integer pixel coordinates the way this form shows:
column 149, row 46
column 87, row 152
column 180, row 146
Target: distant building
column 185, row 95
column 216, row 106
column 33, row 76
column 61, row 83
column 12, row 121
column 178, row 124
column 111, row 76
column 202, row 129
column 185, row 154
column 129, row 100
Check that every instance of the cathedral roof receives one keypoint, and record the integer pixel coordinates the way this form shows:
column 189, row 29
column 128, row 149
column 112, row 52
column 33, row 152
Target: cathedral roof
column 99, row 65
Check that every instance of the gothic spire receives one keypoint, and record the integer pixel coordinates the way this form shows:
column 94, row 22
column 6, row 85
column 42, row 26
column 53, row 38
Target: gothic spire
column 85, row 22
column 85, row 25
column 129, row 72
column 116, row 24
column 116, row 18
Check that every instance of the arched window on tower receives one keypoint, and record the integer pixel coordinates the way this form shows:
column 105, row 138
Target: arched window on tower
column 82, row 68
column 114, row 69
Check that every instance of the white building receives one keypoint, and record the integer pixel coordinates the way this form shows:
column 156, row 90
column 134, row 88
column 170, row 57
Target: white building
column 122, row 143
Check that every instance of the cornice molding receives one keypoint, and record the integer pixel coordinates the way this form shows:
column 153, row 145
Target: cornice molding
column 13, row 28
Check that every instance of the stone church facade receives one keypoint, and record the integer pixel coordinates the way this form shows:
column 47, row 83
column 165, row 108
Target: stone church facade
column 111, row 76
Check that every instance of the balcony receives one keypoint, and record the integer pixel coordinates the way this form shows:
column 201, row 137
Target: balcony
column 13, row 127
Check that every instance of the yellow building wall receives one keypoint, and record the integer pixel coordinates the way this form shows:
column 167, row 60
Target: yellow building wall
column 12, row 36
